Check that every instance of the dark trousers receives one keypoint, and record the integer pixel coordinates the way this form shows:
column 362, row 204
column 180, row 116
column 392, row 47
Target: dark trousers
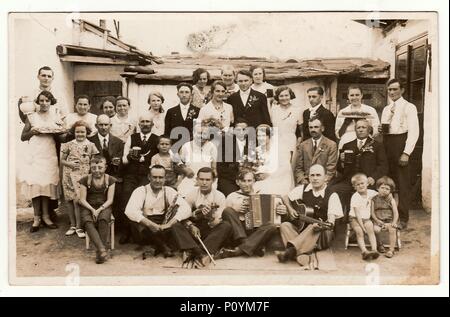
column 253, row 240
column 394, row 145
column 227, row 186
column 130, row 183
column 214, row 238
column 177, row 235
column 100, row 238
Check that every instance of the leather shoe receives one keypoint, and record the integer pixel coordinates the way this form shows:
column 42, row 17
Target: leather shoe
column 227, row 253
column 34, row 229
column 50, row 225
column 101, row 257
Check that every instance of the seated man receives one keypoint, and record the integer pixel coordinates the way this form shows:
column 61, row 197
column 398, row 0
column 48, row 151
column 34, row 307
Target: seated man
column 147, row 209
column 327, row 207
column 316, row 150
column 206, row 222
column 250, row 242
column 362, row 155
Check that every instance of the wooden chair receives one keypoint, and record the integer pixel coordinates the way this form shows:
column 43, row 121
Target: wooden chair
column 350, row 231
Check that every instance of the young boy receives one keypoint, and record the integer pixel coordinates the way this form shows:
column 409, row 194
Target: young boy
column 360, row 213
column 96, row 198
column 385, row 213
column 166, row 158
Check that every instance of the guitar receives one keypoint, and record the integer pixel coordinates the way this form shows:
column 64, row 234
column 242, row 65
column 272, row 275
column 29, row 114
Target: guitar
column 305, row 216
column 171, row 210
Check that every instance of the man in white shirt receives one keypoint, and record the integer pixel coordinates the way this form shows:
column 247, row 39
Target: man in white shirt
column 206, row 222
column 45, row 76
column 327, row 206
column 148, row 209
column 399, row 142
column 250, row 242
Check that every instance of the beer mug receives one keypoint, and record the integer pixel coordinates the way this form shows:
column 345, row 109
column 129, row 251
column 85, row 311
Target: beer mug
column 349, row 157
column 135, row 151
column 385, row 128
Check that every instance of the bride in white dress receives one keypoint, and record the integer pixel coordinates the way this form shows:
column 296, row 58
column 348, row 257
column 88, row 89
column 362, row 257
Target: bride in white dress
column 274, row 173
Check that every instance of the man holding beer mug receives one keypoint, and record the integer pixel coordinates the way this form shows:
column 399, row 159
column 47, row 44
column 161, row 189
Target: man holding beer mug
column 362, row 155
column 137, row 154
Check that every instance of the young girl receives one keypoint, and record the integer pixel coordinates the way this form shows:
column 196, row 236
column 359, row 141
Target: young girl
column 166, row 158
column 42, row 176
column 155, row 100
column 200, row 91
column 75, row 158
column 82, row 113
column 360, row 212
column 96, row 198
column 385, row 213
column 122, row 125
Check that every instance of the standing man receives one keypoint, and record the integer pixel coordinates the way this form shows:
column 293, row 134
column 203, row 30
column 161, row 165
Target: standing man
column 316, row 109
column 327, row 206
column 401, row 117
column 111, row 148
column 228, row 75
column 249, row 104
column 206, row 222
column 316, row 150
column 147, row 210
column 137, row 154
column 181, row 116
column 362, row 155
column 45, row 76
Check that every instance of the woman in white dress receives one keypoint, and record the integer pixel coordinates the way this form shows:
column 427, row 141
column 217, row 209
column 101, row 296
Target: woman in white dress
column 82, row 113
column 122, row 125
column 286, row 117
column 200, row 91
column 274, row 173
column 156, row 100
column 42, row 173
column 346, row 118
column 216, row 108
column 198, row 153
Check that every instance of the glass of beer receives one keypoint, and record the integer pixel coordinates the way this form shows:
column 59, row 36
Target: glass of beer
column 385, row 128
column 349, row 157
column 135, row 151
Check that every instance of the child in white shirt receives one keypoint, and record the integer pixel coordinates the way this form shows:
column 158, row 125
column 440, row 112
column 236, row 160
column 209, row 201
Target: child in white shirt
column 360, row 214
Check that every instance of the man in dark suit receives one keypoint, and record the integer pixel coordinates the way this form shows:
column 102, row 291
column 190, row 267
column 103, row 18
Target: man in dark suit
column 362, row 155
column 179, row 120
column 111, row 148
column 234, row 146
column 316, row 150
column 315, row 95
column 249, row 104
column 137, row 154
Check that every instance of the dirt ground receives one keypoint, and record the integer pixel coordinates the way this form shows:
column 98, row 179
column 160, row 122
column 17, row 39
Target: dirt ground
column 48, row 257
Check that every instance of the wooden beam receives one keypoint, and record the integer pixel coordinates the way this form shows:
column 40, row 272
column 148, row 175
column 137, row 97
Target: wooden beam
column 96, row 60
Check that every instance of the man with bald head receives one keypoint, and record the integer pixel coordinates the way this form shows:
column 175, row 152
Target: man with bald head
column 138, row 151
column 327, row 207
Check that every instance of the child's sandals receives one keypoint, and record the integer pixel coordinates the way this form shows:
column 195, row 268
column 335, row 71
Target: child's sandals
column 71, row 231
column 80, row 233
column 389, row 254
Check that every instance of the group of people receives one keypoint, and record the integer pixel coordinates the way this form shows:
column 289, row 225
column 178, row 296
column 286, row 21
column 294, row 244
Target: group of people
column 183, row 179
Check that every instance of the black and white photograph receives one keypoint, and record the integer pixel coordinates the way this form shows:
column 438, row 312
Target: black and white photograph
column 218, row 148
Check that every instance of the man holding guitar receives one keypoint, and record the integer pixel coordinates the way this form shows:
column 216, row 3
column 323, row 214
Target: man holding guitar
column 325, row 208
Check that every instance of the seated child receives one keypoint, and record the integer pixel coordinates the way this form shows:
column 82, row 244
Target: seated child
column 385, row 213
column 96, row 198
column 359, row 215
column 166, row 158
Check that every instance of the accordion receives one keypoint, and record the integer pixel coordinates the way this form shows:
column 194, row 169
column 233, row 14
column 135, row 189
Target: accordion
column 261, row 210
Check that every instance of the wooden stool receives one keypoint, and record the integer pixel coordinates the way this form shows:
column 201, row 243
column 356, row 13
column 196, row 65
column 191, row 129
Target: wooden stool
column 350, row 231
column 111, row 238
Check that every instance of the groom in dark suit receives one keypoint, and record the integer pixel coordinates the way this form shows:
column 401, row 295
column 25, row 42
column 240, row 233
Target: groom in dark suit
column 181, row 116
column 316, row 109
column 247, row 103
column 234, row 146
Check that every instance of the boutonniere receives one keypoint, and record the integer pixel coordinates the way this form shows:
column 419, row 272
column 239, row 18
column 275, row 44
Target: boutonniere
column 368, row 147
column 191, row 114
column 251, row 100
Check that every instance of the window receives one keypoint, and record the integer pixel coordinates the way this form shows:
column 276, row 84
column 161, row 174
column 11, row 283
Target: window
column 97, row 90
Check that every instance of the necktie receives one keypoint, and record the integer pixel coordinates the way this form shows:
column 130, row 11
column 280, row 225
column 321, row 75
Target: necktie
column 144, row 139
column 392, row 112
column 314, row 146
column 105, row 145
column 360, row 144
